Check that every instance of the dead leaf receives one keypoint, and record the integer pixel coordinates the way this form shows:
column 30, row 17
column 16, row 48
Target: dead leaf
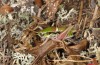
column 6, row 9
column 38, row 3
column 82, row 45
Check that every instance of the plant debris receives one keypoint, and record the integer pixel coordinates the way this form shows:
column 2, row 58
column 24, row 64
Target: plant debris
column 49, row 32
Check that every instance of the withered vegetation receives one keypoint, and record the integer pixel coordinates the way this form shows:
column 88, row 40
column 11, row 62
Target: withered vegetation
column 49, row 32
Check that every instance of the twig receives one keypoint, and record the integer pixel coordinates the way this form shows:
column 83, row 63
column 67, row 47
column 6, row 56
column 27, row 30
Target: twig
column 85, row 22
column 80, row 13
column 74, row 60
column 94, row 16
column 90, row 60
column 40, row 10
column 57, row 54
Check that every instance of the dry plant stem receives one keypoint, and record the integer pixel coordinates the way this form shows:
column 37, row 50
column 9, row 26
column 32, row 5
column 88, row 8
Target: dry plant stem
column 57, row 54
column 45, row 41
column 1, row 54
column 85, row 22
column 43, row 49
column 98, row 55
column 52, row 7
column 73, row 57
column 80, row 24
column 40, row 10
column 9, row 42
column 80, row 12
column 74, row 60
column 64, row 33
column 46, row 46
column 50, row 45
column 94, row 16
column 89, row 2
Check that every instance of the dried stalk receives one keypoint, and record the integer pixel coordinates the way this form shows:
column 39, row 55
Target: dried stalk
column 94, row 16
column 80, row 12
column 89, row 59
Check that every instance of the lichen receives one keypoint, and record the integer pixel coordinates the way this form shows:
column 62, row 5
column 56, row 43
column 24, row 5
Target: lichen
column 65, row 15
column 22, row 59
